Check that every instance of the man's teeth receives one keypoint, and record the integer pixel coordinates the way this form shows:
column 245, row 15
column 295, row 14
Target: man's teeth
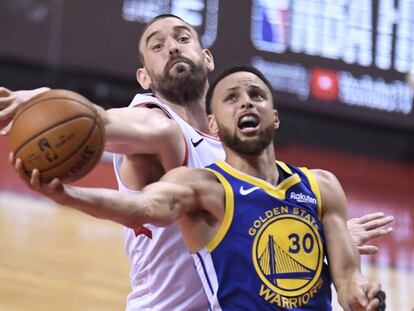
column 248, row 121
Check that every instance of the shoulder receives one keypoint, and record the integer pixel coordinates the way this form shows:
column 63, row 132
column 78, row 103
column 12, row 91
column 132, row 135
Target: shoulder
column 186, row 175
column 332, row 193
column 203, row 182
column 141, row 99
column 146, row 104
column 141, row 105
column 148, row 101
column 324, row 177
column 207, row 190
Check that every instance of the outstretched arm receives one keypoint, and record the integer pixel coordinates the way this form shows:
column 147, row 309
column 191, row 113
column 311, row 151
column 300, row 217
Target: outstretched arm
column 161, row 203
column 355, row 291
column 128, row 131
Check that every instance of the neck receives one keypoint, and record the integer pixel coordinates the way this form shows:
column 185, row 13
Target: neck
column 194, row 112
column 260, row 166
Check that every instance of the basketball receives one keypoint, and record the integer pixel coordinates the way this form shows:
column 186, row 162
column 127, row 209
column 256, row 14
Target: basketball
column 59, row 133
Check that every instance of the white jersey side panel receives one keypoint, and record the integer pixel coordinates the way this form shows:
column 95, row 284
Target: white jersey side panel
column 163, row 276
column 205, row 268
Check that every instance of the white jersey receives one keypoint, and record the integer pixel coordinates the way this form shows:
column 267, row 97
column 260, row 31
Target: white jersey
column 163, row 275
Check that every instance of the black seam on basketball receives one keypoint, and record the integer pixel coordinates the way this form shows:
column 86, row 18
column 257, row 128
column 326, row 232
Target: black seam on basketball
column 52, row 126
column 54, row 98
column 101, row 133
column 73, row 153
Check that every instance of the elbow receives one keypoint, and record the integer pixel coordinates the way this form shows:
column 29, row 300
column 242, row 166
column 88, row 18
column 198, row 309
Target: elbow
column 142, row 214
column 137, row 218
column 156, row 217
column 145, row 210
column 131, row 223
column 133, row 212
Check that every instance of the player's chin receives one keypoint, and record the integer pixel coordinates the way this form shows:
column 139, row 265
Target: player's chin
column 180, row 68
column 249, row 132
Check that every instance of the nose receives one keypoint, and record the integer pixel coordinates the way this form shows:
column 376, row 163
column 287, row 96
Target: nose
column 173, row 47
column 246, row 103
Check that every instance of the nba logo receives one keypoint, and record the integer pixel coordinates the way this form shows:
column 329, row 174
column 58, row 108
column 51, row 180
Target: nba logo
column 270, row 25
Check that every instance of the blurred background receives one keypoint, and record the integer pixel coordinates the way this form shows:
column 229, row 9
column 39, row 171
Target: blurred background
column 343, row 74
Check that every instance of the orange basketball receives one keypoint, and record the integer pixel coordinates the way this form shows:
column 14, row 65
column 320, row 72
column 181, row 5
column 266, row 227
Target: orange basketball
column 60, row 133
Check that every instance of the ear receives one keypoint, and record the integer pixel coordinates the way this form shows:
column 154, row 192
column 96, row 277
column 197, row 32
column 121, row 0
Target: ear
column 276, row 119
column 212, row 124
column 209, row 60
column 143, row 78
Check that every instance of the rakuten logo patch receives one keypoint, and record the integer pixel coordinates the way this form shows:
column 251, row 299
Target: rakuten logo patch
column 302, row 198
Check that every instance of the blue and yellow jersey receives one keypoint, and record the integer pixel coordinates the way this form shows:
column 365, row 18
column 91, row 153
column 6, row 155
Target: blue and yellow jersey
column 269, row 252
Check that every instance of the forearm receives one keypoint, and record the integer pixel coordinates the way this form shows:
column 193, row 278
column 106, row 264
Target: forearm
column 354, row 290
column 126, row 209
column 343, row 256
column 158, row 203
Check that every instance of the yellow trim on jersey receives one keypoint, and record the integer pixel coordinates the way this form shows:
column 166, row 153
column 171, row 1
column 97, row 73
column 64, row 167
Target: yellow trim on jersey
column 228, row 212
column 315, row 188
column 278, row 192
column 284, row 167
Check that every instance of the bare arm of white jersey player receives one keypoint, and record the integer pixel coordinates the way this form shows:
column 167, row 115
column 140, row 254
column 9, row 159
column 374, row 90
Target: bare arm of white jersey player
column 142, row 130
column 128, row 131
column 354, row 289
column 161, row 203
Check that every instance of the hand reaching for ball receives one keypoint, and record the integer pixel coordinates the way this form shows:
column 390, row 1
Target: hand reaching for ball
column 10, row 102
column 60, row 133
column 55, row 190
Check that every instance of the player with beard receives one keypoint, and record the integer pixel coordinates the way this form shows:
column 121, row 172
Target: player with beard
column 255, row 245
column 152, row 136
column 156, row 134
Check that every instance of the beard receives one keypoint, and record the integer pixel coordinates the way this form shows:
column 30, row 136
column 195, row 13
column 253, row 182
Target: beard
column 187, row 85
column 248, row 147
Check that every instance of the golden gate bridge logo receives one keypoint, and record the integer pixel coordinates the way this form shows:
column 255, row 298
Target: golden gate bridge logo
column 285, row 267
column 288, row 255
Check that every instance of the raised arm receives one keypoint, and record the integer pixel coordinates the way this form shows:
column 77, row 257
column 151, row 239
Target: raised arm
column 144, row 131
column 128, row 130
column 354, row 289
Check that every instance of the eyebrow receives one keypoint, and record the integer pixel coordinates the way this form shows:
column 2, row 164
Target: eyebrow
column 182, row 27
column 175, row 28
column 150, row 36
column 253, row 86
column 232, row 88
column 257, row 86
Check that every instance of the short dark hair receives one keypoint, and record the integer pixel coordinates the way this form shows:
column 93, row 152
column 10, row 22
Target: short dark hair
column 152, row 21
column 230, row 70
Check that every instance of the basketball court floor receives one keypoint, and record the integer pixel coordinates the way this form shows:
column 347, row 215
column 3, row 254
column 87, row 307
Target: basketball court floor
column 54, row 258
